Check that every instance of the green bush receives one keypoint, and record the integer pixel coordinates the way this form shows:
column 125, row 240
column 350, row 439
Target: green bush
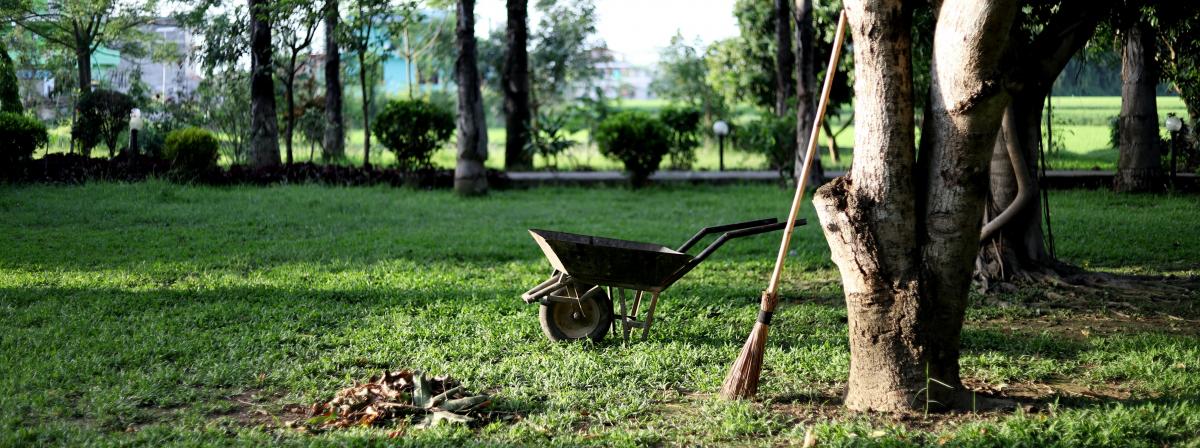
column 684, row 123
column 10, row 92
column 774, row 138
column 637, row 139
column 413, row 130
column 550, row 137
column 20, row 136
column 103, row 117
column 191, row 150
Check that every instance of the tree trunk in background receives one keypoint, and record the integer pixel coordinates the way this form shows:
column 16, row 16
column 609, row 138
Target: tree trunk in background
column 1139, row 167
column 806, row 92
column 334, row 147
column 470, row 177
column 516, row 88
column 83, row 60
column 903, row 247
column 264, row 126
column 1020, row 247
column 785, row 59
column 289, row 95
column 366, row 107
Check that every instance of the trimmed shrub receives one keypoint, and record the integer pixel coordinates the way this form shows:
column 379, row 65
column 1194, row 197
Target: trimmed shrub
column 20, row 136
column 413, row 130
column 636, row 139
column 774, row 138
column 684, row 123
column 191, row 150
column 103, row 117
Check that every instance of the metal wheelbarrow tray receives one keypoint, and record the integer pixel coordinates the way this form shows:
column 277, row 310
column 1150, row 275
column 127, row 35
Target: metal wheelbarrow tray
column 576, row 301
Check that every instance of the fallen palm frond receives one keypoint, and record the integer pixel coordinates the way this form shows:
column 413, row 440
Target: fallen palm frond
column 397, row 397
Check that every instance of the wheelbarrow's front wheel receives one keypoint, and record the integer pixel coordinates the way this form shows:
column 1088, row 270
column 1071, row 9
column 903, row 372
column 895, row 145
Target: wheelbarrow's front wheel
column 589, row 318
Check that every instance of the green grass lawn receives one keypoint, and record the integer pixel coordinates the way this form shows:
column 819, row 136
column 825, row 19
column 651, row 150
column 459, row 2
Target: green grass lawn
column 159, row 314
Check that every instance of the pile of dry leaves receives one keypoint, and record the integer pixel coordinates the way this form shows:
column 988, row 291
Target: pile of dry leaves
column 400, row 396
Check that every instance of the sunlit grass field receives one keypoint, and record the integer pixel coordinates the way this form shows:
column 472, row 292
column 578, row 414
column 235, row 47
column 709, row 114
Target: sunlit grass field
column 158, row 314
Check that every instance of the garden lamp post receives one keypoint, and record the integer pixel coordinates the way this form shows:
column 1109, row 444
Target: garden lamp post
column 721, row 128
column 1174, row 125
column 135, row 125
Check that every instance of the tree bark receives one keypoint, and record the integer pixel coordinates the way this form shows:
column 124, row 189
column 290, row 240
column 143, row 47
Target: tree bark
column 806, row 92
column 290, row 97
column 366, row 107
column 264, row 127
column 903, row 247
column 869, row 218
column 965, row 110
column 1019, row 247
column 785, row 59
column 334, row 147
column 470, row 177
column 516, row 88
column 1139, row 167
column 83, row 61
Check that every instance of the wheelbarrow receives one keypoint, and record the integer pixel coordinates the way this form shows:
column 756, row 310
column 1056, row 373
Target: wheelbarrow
column 589, row 271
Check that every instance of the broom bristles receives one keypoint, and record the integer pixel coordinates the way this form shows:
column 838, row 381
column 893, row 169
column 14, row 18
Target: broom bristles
column 742, row 380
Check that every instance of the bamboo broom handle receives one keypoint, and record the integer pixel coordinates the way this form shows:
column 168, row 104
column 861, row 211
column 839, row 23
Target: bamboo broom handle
column 801, row 184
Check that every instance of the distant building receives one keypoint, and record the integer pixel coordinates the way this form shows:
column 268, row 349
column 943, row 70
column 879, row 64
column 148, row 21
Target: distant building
column 621, row 79
column 164, row 79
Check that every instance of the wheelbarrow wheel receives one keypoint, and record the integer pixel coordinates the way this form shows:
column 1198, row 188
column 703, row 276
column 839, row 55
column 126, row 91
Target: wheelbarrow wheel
column 590, row 319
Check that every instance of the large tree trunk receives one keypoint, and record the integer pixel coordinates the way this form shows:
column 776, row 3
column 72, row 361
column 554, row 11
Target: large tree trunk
column 806, row 92
column 1139, row 167
column 903, row 247
column 965, row 110
column 470, row 177
column 516, row 88
column 264, row 126
column 83, row 61
column 334, row 147
column 1019, row 246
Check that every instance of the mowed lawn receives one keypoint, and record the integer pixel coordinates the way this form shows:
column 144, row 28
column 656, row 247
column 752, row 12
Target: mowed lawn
column 159, row 314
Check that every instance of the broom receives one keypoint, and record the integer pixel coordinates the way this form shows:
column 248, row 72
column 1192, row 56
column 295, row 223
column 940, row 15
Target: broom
column 742, row 381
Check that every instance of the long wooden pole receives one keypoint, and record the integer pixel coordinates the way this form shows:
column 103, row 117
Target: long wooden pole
column 802, row 182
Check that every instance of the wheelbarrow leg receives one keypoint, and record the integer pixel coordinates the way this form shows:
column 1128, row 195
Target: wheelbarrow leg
column 624, row 317
column 650, row 316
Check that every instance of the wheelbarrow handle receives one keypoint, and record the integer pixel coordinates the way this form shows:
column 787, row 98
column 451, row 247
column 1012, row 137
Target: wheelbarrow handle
column 716, row 244
column 771, row 226
column 724, row 228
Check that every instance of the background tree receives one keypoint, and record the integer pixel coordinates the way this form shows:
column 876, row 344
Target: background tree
column 362, row 35
column 83, row 26
column 264, row 129
column 565, row 51
column 1139, row 166
column 1047, row 35
column 1179, row 51
column 296, row 23
column 334, row 141
column 470, row 177
column 10, row 89
column 415, row 34
column 515, row 85
column 683, row 77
